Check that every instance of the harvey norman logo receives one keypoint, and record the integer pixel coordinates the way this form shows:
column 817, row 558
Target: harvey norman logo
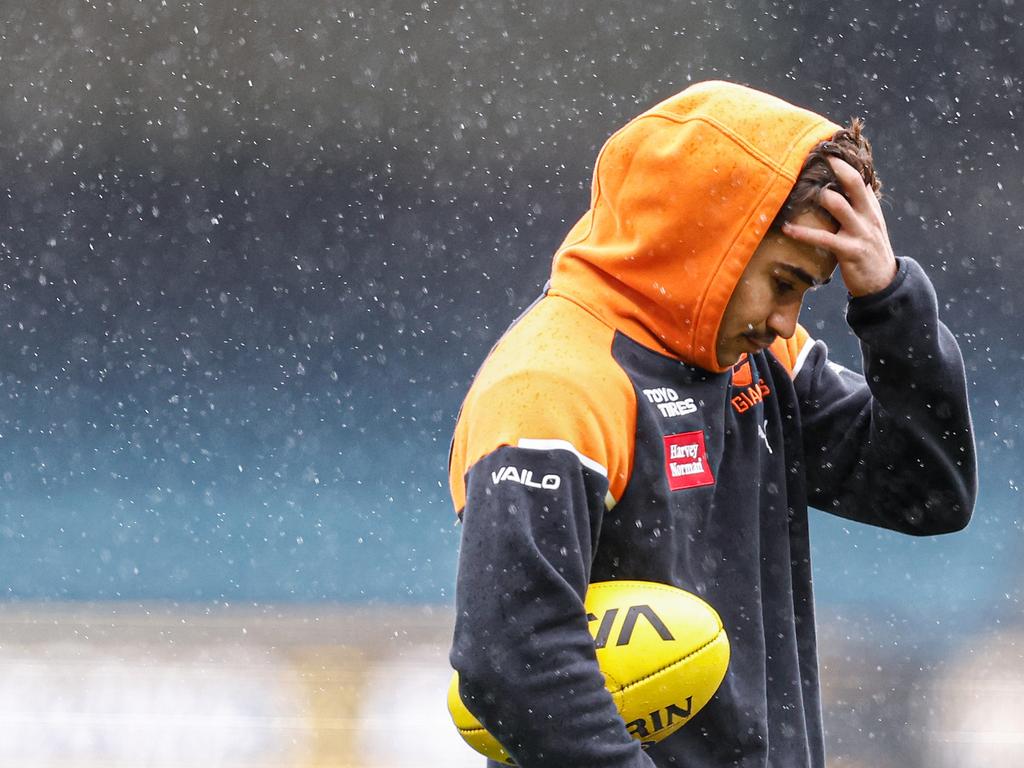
column 686, row 461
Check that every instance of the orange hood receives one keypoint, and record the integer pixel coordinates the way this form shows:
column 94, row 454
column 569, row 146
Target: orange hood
column 681, row 197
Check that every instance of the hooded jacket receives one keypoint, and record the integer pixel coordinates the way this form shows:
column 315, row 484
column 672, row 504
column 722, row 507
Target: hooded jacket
column 670, row 469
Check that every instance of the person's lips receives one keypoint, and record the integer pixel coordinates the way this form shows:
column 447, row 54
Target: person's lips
column 759, row 342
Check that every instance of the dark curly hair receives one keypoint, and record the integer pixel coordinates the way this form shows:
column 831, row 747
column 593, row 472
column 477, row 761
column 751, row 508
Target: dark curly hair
column 848, row 144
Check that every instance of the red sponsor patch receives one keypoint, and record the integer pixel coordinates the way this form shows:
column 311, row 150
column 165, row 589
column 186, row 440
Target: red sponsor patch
column 686, row 461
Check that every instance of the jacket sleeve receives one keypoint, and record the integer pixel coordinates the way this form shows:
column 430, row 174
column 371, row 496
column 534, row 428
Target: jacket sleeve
column 894, row 447
column 531, row 461
column 526, row 661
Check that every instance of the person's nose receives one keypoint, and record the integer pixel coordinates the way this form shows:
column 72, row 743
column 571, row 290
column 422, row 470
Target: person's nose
column 782, row 321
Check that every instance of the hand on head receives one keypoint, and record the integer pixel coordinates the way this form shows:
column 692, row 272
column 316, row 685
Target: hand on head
column 861, row 245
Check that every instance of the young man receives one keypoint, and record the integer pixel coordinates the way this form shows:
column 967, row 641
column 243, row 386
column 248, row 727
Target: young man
column 682, row 420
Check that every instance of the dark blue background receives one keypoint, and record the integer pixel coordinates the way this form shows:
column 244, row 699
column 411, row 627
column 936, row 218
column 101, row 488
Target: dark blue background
column 252, row 257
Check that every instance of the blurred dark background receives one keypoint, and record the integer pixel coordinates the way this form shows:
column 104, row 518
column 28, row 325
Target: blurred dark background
column 252, row 254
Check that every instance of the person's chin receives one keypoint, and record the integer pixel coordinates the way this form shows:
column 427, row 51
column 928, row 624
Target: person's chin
column 729, row 358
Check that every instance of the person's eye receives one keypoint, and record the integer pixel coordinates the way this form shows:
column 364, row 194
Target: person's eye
column 784, row 287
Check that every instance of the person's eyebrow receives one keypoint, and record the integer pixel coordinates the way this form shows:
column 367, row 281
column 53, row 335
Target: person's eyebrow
column 804, row 275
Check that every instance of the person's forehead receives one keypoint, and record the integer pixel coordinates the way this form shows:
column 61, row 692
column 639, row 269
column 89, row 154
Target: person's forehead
column 817, row 263
column 814, row 270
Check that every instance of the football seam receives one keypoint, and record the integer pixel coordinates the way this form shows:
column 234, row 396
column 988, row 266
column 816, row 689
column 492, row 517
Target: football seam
column 603, row 586
column 473, row 730
column 688, row 656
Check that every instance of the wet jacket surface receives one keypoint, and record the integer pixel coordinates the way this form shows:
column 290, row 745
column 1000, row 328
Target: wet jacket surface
column 601, row 440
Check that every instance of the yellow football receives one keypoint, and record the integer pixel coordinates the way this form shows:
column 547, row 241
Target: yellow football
column 663, row 652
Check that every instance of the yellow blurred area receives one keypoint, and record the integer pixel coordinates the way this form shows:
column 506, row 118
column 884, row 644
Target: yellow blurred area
column 332, row 686
column 228, row 687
